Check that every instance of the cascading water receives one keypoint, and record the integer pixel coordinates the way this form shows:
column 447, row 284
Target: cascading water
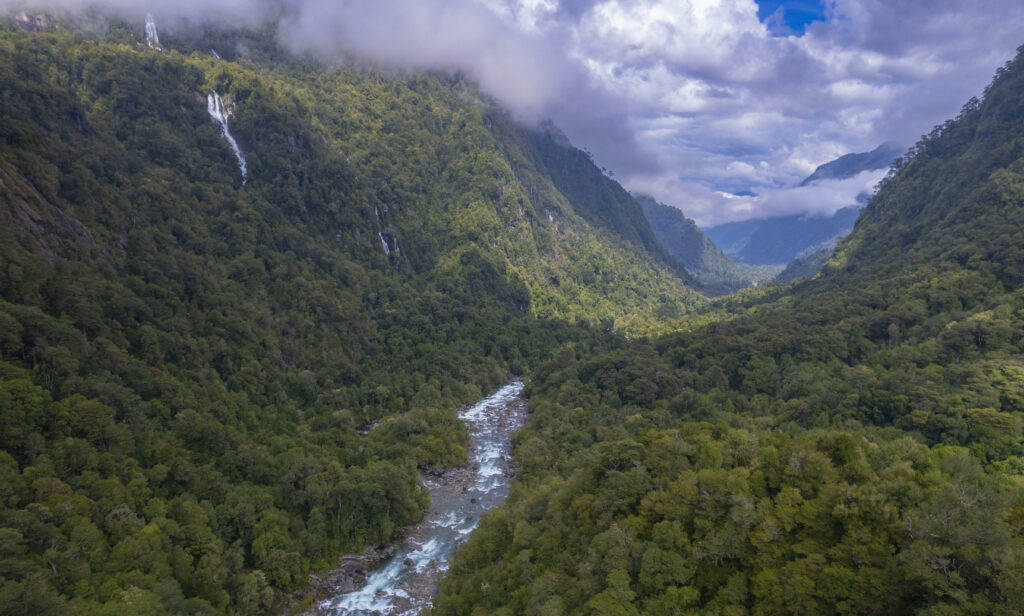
column 215, row 105
column 405, row 585
column 152, row 39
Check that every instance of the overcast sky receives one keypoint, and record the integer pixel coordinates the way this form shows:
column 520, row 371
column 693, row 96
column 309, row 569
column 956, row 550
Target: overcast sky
column 688, row 100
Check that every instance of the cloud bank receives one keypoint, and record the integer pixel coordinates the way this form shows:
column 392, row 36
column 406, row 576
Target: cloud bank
column 729, row 107
column 683, row 99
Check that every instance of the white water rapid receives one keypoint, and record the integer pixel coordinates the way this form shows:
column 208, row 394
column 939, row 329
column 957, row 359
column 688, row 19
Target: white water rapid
column 405, row 585
column 152, row 39
column 215, row 105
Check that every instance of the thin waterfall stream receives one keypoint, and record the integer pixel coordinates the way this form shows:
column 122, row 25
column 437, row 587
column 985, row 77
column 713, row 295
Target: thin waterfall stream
column 152, row 38
column 215, row 107
column 405, row 584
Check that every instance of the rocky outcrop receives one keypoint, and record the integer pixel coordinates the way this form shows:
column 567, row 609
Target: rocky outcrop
column 33, row 23
column 35, row 221
column 349, row 576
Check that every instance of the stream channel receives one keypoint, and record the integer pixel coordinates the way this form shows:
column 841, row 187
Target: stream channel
column 407, row 582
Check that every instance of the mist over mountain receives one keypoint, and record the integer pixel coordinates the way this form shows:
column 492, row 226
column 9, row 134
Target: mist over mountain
column 777, row 241
column 780, row 240
column 849, row 165
column 251, row 285
column 654, row 89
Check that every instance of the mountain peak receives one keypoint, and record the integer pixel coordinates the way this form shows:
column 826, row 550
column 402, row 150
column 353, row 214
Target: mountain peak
column 849, row 165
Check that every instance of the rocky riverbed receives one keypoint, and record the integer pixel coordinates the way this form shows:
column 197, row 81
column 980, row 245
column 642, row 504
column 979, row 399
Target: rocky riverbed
column 401, row 580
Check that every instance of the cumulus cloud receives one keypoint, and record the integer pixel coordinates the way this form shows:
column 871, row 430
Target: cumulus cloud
column 727, row 106
column 685, row 99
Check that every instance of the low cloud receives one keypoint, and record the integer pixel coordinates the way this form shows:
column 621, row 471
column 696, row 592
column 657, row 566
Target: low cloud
column 526, row 72
column 528, row 69
column 823, row 198
column 177, row 11
column 709, row 208
column 687, row 99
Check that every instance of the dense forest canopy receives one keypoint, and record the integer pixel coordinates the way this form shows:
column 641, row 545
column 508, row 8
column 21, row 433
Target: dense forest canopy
column 211, row 388
column 848, row 445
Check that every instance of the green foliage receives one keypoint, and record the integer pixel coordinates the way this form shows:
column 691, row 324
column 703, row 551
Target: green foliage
column 210, row 389
column 715, row 273
column 847, row 445
column 806, row 267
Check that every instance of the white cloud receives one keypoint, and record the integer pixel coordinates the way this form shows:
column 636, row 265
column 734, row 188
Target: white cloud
column 178, row 11
column 708, row 207
column 823, row 198
column 687, row 97
column 705, row 80
column 523, row 71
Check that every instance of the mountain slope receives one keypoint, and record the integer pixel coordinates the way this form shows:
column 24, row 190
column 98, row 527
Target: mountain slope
column 848, row 445
column 806, row 267
column 596, row 198
column 693, row 249
column 211, row 387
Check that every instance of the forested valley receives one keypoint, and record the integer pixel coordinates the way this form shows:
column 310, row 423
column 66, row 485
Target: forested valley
column 212, row 386
column 847, row 445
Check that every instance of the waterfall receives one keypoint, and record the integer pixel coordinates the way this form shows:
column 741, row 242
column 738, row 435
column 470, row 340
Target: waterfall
column 215, row 105
column 384, row 241
column 152, row 39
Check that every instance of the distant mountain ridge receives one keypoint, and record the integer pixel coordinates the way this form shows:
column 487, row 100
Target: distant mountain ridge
column 779, row 240
column 806, row 266
column 782, row 239
column 849, row 165
column 599, row 200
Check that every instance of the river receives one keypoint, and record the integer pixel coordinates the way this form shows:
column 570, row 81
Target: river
column 406, row 583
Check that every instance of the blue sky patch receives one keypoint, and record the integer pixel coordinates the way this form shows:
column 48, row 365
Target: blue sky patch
column 794, row 17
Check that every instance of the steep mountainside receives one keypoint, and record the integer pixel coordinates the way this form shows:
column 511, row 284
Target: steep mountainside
column 806, row 267
column 597, row 199
column 716, row 273
column 850, row 445
column 212, row 384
